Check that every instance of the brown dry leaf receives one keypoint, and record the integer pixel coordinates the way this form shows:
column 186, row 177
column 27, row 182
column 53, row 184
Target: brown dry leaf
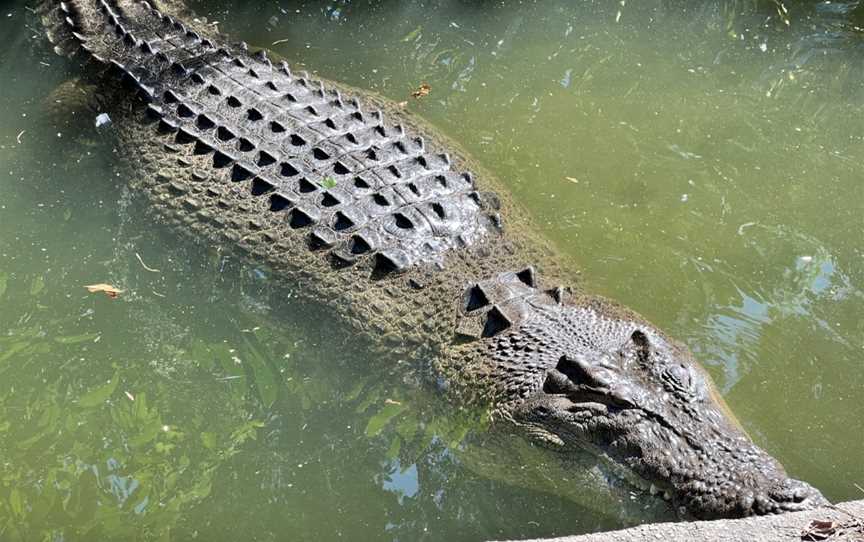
column 107, row 289
column 389, row 401
column 423, row 90
column 819, row 530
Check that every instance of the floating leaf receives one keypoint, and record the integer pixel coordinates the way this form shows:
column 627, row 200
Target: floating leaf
column 408, row 427
column 74, row 339
column 422, row 91
column 247, row 431
column 100, row 394
column 395, row 446
column 107, row 289
column 265, row 379
column 199, row 490
column 37, row 286
column 28, row 443
column 147, row 432
column 411, row 36
column 455, row 437
column 355, row 391
column 164, row 447
column 379, row 421
column 16, row 502
column 14, row 349
column 209, row 440
column 372, row 397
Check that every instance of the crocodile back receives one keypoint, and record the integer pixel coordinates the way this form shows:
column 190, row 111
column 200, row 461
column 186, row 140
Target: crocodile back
column 368, row 216
column 347, row 181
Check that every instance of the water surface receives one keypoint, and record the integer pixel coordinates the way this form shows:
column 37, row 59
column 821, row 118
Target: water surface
column 699, row 160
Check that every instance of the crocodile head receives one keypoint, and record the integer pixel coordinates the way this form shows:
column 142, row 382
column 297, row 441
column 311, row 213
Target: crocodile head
column 584, row 374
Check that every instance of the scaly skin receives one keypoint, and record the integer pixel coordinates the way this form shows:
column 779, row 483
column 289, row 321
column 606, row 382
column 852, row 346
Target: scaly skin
column 422, row 260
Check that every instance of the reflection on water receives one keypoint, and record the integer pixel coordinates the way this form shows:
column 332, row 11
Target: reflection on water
column 701, row 161
column 807, row 282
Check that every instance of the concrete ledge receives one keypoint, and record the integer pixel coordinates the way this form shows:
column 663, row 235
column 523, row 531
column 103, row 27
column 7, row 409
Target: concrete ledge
column 843, row 523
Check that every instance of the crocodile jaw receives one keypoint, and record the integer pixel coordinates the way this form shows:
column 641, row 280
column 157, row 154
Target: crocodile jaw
column 619, row 388
column 726, row 476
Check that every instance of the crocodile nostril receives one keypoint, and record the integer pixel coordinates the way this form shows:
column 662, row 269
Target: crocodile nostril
column 557, row 383
column 796, row 495
column 552, row 385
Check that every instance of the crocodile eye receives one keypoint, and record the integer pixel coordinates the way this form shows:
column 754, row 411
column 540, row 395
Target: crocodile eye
column 678, row 377
column 643, row 346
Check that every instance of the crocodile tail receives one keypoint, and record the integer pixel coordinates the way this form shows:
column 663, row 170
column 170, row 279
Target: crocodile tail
column 73, row 26
column 57, row 18
column 130, row 37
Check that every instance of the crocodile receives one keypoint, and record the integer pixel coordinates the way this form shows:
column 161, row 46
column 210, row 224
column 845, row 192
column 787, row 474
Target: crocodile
column 372, row 213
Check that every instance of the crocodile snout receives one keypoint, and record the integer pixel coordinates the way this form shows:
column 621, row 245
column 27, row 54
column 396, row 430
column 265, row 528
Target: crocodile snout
column 792, row 496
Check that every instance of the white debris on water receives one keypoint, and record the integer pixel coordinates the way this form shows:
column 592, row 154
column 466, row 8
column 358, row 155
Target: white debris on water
column 102, row 119
column 743, row 226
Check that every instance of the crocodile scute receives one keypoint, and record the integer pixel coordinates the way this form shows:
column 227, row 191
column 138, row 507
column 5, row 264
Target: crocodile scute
column 376, row 217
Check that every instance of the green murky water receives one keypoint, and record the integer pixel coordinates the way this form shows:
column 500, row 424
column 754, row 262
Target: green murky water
column 701, row 160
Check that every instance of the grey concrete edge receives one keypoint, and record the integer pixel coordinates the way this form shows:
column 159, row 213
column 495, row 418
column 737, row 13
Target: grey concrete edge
column 847, row 525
